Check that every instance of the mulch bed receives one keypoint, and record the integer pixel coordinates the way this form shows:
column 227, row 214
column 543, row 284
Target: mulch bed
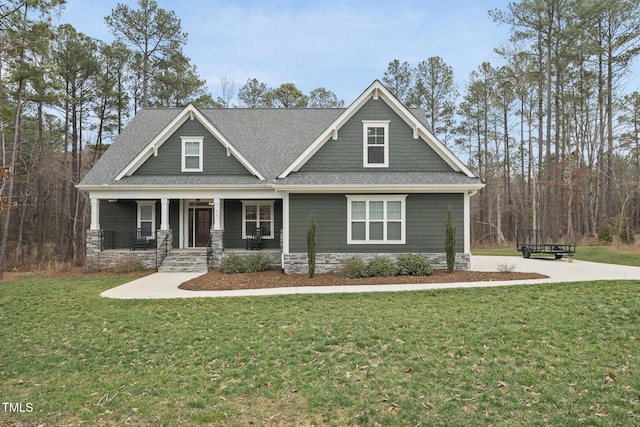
column 214, row 280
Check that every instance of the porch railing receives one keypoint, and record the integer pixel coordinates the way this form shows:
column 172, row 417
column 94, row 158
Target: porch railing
column 123, row 240
column 235, row 240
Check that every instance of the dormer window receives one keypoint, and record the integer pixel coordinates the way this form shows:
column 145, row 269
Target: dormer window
column 192, row 153
column 375, row 144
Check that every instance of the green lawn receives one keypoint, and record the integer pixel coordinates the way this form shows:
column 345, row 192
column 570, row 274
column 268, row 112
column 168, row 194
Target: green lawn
column 558, row 354
column 623, row 255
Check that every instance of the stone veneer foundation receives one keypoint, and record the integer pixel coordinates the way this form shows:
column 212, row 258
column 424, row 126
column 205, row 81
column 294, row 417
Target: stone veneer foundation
column 331, row 263
column 295, row 263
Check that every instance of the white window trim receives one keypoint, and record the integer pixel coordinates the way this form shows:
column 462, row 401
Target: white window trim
column 366, row 124
column 258, row 203
column 151, row 203
column 200, row 141
column 378, row 198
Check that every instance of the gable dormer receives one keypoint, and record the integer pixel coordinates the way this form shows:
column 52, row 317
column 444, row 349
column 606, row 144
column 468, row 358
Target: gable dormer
column 189, row 145
column 377, row 133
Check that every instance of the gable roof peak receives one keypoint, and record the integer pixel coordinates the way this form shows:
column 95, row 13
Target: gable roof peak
column 376, row 91
column 190, row 112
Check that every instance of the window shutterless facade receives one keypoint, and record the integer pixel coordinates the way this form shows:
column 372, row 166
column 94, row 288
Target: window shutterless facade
column 376, row 219
column 192, row 153
column 146, row 222
column 257, row 215
column 375, row 143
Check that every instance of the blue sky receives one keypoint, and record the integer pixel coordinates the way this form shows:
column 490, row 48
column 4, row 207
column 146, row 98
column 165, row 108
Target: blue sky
column 341, row 45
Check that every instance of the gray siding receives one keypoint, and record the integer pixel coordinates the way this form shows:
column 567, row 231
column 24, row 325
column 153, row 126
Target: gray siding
column 122, row 216
column 405, row 153
column 426, row 215
column 118, row 216
column 169, row 158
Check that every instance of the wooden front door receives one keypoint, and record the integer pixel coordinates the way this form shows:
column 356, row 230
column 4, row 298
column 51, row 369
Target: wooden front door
column 199, row 226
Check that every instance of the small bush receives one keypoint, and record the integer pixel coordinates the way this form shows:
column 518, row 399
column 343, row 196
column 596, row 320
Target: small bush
column 253, row 263
column 413, row 265
column 232, row 264
column 381, row 267
column 506, row 268
column 626, row 235
column 128, row 264
column 353, row 267
column 605, row 234
column 93, row 265
column 256, row 263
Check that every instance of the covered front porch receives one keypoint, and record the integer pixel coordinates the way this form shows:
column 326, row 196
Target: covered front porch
column 236, row 222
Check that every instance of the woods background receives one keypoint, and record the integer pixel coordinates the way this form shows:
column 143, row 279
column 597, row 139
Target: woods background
column 554, row 131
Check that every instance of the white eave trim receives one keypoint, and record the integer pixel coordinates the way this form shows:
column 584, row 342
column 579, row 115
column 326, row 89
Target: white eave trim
column 188, row 113
column 377, row 91
column 376, row 188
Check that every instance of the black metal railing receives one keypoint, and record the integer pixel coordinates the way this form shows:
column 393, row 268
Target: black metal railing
column 124, row 240
column 235, row 240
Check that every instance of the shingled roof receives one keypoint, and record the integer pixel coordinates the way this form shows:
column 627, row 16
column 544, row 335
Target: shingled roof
column 270, row 142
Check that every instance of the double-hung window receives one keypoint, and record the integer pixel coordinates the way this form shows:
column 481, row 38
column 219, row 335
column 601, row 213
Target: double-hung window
column 257, row 215
column 375, row 143
column 376, row 219
column 147, row 218
column 192, row 153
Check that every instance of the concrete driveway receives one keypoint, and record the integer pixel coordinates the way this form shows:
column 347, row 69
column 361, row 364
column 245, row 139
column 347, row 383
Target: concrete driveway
column 165, row 285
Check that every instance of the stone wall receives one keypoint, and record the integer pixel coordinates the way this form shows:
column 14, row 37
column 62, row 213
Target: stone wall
column 99, row 259
column 331, row 263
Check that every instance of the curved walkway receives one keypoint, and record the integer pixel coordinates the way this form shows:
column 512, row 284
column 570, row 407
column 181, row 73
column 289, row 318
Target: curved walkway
column 165, row 285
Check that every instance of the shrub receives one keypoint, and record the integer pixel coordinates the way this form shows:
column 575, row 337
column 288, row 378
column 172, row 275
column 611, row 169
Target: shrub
column 450, row 241
column 381, row 267
column 93, row 265
column 605, row 234
column 353, row 267
column 256, row 263
column 128, row 264
column 506, row 268
column 232, row 264
column 253, row 263
column 626, row 234
column 311, row 245
column 413, row 265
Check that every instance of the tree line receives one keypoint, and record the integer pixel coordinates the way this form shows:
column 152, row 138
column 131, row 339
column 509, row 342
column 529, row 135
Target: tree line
column 552, row 132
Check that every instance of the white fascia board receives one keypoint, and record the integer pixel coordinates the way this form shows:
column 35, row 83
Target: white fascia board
column 406, row 188
column 378, row 91
column 187, row 193
column 189, row 112
column 332, row 131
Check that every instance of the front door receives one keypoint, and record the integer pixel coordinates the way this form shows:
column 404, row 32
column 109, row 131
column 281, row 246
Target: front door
column 199, row 226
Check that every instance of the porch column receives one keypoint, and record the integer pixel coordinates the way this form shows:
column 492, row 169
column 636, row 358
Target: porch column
column 164, row 220
column 95, row 214
column 216, row 214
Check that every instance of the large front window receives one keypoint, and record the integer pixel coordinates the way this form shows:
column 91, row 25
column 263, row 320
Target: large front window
column 257, row 215
column 376, row 219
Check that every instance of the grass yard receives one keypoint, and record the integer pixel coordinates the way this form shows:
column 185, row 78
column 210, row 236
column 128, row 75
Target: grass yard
column 619, row 255
column 559, row 354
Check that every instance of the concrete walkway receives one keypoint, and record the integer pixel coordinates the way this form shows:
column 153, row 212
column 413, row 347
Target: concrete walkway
column 165, row 285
